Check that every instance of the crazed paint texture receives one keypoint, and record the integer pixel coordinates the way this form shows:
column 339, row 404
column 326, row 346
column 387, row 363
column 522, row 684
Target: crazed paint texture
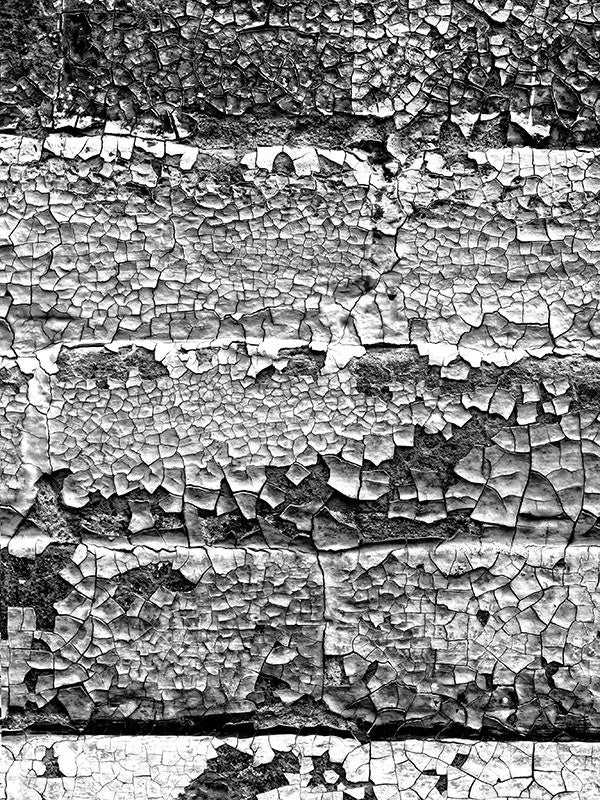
column 483, row 65
column 29, row 63
column 448, row 638
column 465, row 638
column 142, row 634
column 296, row 446
column 290, row 767
column 300, row 399
column 487, row 254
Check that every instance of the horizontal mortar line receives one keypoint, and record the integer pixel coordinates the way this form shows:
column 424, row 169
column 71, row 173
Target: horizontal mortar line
column 462, row 543
column 216, row 116
column 294, row 344
column 431, row 543
column 214, row 143
column 247, row 730
column 150, row 342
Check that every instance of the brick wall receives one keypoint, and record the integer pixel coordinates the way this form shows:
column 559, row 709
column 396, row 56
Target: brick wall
column 299, row 431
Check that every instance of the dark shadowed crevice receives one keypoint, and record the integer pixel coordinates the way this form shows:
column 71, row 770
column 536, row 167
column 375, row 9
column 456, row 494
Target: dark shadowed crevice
column 306, row 713
column 34, row 583
column 142, row 582
column 51, row 766
column 233, row 774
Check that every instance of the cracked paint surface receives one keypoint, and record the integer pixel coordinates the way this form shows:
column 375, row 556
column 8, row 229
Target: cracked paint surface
column 192, row 642
column 116, row 248
column 299, row 399
column 319, row 767
column 494, row 69
column 486, row 72
column 488, row 255
column 503, row 640
column 454, row 637
column 30, row 64
column 298, row 446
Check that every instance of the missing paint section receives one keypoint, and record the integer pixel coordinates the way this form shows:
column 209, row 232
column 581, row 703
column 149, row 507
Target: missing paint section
column 233, row 774
column 97, row 365
column 51, row 765
column 34, row 583
column 142, row 582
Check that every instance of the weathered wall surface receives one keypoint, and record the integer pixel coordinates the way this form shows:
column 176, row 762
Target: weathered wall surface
column 381, row 640
column 285, row 766
column 299, row 399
